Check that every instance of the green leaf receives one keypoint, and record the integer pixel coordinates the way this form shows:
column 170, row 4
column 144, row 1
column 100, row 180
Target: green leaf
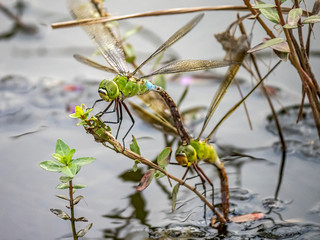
column 268, row 43
column 52, row 166
column 146, row 180
column 83, row 161
column 163, row 158
column 135, row 165
column 77, row 199
column 63, row 197
column 131, row 33
column 61, row 214
column 134, row 147
column 129, row 52
column 70, row 170
column 174, row 196
column 83, row 231
column 159, row 174
column 57, row 156
column 62, row 148
column 160, row 81
column 62, row 186
column 293, row 18
column 70, row 155
column 65, row 179
column 312, row 19
column 79, row 186
column 271, row 14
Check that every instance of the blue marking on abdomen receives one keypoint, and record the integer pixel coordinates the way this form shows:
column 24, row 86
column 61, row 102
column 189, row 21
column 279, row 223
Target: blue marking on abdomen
column 150, row 85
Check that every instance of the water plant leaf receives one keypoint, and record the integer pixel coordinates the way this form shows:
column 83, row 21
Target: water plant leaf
column 61, row 214
column 266, row 44
column 77, row 199
column 135, row 165
column 79, row 186
column 293, row 18
column 62, row 186
column 129, row 53
column 70, row 170
column 81, row 219
column 146, row 180
column 83, row 161
column 52, row 166
column 84, row 231
column 65, row 179
column 62, row 148
column 270, row 13
column 163, row 158
column 174, row 196
column 134, row 147
column 63, row 197
column 131, row 32
column 70, row 155
column 311, row 19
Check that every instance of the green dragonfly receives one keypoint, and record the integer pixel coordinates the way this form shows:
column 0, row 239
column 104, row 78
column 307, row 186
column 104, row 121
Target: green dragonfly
column 127, row 83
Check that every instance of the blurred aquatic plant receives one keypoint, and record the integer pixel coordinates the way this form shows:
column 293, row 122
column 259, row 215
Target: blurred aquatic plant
column 65, row 163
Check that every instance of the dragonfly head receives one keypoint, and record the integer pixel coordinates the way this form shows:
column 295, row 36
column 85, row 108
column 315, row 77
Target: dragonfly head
column 186, row 155
column 108, row 90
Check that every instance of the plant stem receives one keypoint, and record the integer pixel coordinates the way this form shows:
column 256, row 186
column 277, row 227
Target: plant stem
column 72, row 219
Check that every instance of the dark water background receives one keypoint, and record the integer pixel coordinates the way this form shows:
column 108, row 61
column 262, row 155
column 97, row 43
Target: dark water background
column 36, row 72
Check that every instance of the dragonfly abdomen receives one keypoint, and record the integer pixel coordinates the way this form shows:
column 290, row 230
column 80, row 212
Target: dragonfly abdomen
column 175, row 114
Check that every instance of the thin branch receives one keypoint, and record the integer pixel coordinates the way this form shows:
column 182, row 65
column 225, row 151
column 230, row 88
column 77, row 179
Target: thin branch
column 155, row 13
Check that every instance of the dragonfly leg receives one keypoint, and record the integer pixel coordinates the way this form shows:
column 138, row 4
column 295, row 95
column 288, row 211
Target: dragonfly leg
column 203, row 181
column 119, row 116
column 99, row 100
column 106, row 109
column 209, row 181
column 129, row 113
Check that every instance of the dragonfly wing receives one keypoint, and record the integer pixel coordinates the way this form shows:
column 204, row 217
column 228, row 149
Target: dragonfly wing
column 174, row 38
column 155, row 120
column 230, row 75
column 189, row 66
column 101, row 34
column 93, row 64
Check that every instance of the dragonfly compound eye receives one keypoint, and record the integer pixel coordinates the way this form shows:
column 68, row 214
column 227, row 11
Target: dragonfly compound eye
column 185, row 155
column 108, row 90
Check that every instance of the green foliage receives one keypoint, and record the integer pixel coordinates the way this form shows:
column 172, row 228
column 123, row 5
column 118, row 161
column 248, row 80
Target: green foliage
column 134, row 147
column 163, row 158
column 64, row 163
column 174, row 196
column 266, row 44
column 268, row 11
column 293, row 18
column 312, row 19
column 82, row 113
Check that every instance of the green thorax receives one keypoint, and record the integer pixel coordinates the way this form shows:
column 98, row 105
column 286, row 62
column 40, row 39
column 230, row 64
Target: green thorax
column 194, row 152
column 130, row 87
column 122, row 87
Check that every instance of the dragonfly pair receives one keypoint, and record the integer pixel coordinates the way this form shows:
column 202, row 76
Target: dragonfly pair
column 128, row 84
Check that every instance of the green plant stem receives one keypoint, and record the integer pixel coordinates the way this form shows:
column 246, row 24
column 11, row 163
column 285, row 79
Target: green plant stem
column 72, row 219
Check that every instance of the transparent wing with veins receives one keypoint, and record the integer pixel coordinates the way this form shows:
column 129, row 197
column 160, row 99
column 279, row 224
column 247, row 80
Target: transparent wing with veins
column 103, row 37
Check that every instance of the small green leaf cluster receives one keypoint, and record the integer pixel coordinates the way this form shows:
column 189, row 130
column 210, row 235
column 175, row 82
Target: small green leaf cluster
column 82, row 113
column 64, row 163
